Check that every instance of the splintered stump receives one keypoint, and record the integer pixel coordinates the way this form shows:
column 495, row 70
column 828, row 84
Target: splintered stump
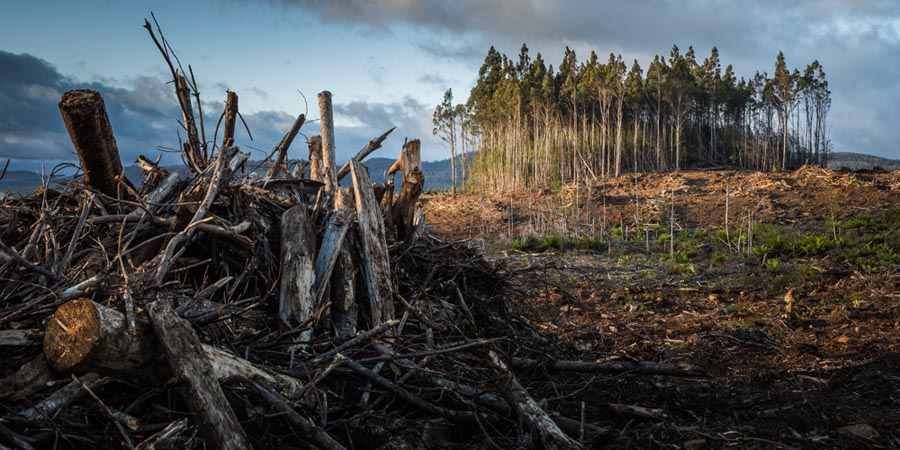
column 403, row 210
column 376, row 261
column 84, row 336
column 84, row 114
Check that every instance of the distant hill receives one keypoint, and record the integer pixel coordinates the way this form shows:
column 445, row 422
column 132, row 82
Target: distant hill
column 20, row 181
column 859, row 161
column 437, row 175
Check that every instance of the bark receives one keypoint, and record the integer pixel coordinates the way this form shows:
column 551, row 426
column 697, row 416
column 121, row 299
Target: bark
column 376, row 260
column 194, row 374
column 84, row 114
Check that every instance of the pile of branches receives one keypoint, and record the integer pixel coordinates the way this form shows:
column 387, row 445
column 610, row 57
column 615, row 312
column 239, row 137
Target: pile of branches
column 263, row 306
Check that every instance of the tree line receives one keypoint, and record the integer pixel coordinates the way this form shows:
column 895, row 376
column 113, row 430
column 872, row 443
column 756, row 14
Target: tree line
column 529, row 125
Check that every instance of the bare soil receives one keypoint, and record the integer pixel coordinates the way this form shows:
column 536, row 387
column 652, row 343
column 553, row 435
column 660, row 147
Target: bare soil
column 800, row 353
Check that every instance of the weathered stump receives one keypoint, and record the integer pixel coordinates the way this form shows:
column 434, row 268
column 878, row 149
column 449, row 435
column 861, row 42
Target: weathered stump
column 84, row 114
column 298, row 278
column 403, row 210
column 376, row 261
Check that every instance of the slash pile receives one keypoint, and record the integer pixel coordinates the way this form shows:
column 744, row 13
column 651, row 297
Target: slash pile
column 261, row 306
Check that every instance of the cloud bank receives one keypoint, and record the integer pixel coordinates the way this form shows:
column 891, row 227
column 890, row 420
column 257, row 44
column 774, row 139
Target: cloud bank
column 144, row 115
column 856, row 40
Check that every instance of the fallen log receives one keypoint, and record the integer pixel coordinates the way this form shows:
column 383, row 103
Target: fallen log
column 84, row 336
column 610, row 367
column 63, row 397
column 329, row 252
column 84, row 114
column 528, row 410
column 32, row 377
column 194, row 374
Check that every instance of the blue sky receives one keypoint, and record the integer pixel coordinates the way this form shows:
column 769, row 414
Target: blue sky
column 388, row 62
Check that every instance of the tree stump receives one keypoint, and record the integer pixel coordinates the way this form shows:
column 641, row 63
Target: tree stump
column 84, row 114
column 403, row 210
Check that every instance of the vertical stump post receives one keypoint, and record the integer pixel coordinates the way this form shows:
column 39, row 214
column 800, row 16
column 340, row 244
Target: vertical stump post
column 84, row 114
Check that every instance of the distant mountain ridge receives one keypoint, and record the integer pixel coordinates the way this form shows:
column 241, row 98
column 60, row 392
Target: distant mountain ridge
column 860, row 161
column 437, row 175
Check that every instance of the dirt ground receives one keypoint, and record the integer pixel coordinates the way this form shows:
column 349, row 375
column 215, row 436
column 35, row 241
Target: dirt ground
column 802, row 352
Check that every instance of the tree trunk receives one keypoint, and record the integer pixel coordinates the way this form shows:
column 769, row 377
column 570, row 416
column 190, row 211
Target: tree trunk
column 404, row 208
column 327, row 118
column 84, row 336
column 296, row 301
column 376, row 260
column 199, row 387
column 84, row 114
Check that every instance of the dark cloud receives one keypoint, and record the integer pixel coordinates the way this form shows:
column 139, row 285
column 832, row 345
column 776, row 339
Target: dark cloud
column 856, row 40
column 434, row 79
column 465, row 50
column 144, row 115
column 358, row 122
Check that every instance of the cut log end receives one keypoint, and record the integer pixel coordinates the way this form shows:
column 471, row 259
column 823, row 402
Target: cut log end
column 72, row 334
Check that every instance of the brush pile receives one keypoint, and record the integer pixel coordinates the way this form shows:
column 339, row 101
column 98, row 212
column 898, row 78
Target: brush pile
column 264, row 306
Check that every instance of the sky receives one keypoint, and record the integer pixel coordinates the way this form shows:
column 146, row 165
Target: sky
column 388, row 62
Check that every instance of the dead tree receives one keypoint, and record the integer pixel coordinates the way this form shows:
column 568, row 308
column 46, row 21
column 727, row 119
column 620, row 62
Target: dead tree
column 316, row 166
column 84, row 114
column 329, row 170
column 376, row 261
column 83, row 336
column 193, row 372
column 298, row 257
column 403, row 210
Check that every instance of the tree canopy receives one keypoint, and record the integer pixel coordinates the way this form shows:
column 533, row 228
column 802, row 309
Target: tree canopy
column 530, row 126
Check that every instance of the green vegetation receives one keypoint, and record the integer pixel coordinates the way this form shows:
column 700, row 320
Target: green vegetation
column 866, row 242
column 555, row 243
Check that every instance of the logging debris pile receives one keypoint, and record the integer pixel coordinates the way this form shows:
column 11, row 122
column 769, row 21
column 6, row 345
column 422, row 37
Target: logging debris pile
column 265, row 307
column 120, row 319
